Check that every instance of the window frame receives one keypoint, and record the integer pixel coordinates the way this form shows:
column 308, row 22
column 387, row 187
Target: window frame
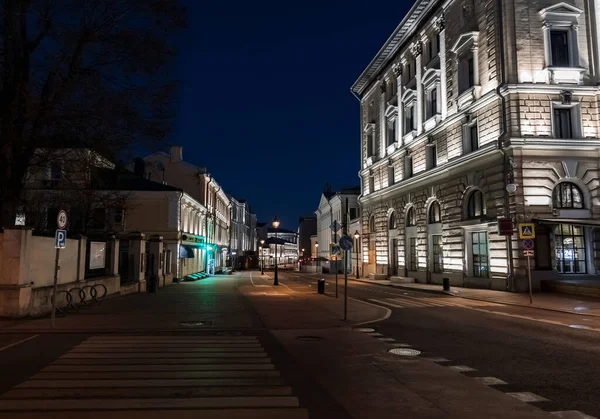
column 575, row 119
column 411, row 217
column 431, row 219
column 467, row 137
column 437, row 253
column 432, row 156
column 471, row 210
column 477, row 273
column 558, row 195
column 392, row 221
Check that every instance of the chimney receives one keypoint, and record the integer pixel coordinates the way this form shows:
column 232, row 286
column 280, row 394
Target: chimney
column 176, row 153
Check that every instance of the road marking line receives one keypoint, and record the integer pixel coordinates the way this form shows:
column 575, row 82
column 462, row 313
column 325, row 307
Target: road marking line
column 18, row 343
column 528, row 397
column 386, row 303
column 438, row 360
column 490, row 381
column 402, row 345
column 152, row 382
column 572, row 414
column 387, row 339
column 461, row 368
column 386, row 316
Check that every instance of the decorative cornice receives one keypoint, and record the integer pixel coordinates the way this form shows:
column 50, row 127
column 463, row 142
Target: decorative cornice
column 440, row 23
column 397, row 69
column 382, row 86
column 416, row 48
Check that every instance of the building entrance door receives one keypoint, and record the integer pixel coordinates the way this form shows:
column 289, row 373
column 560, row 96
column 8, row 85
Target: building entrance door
column 394, row 257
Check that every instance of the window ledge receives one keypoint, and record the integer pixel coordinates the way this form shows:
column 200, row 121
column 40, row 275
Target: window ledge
column 391, row 148
column 567, row 75
column 468, row 97
column 369, row 126
column 409, row 137
column 573, row 213
column 372, row 160
column 432, row 122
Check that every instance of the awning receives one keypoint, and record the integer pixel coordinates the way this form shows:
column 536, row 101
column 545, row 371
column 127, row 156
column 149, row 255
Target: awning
column 186, row 252
column 572, row 221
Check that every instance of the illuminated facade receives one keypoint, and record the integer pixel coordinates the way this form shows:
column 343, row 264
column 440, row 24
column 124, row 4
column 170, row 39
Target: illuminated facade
column 464, row 99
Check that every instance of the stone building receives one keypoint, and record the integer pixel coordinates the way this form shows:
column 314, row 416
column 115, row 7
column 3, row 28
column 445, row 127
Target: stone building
column 242, row 234
column 476, row 111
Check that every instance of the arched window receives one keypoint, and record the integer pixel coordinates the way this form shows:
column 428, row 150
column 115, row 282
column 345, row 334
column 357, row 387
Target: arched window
column 567, row 195
column 435, row 213
column 410, row 217
column 392, row 221
column 475, row 206
column 372, row 224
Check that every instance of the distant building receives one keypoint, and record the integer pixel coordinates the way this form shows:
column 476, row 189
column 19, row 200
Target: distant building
column 171, row 169
column 243, row 234
column 307, row 227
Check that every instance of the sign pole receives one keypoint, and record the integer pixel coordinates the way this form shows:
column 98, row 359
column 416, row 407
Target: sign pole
column 56, row 274
column 529, row 278
column 345, row 287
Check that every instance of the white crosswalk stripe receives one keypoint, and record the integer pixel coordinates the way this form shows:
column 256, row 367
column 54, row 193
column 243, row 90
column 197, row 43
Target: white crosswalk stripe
column 438, row 301
column 170, row 376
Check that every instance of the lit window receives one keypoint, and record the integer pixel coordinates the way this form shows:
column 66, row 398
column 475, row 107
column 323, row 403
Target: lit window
column 475, row 206
column 569, row 241
column 435, row 213
column 567, row 195
column 411, row 220
column 480, row 254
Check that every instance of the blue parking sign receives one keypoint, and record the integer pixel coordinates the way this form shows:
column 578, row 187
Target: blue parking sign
column 60, row 237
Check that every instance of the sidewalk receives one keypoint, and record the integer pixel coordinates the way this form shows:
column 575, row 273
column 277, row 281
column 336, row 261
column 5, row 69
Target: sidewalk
column 587, row 306
column 358, row 371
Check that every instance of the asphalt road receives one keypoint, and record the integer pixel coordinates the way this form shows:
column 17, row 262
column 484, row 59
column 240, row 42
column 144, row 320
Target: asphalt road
column 531, row 350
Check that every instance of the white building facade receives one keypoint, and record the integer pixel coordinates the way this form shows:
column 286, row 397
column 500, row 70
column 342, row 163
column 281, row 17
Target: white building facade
column 474, row 112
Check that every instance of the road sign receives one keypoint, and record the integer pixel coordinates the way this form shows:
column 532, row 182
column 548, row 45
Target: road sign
column 335, row 226
column 335, row 250
column 526, row 231
column 346, row 242
column 528, row 244
column 61, row 219
column 528, row 253
column 60, row 241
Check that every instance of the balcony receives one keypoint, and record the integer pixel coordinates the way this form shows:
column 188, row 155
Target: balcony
column 566, row 75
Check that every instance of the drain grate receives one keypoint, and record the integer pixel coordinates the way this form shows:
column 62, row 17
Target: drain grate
column 309, row 338
column 365, row 329
column 405, row 352
column 194, row 324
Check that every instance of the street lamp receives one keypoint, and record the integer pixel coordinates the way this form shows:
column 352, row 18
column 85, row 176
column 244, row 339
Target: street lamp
column 276, row 225
column 262, row 257
column 356, row 236
column 317, row 252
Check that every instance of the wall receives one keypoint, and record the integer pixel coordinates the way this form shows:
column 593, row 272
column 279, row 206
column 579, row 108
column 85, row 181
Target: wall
column 41, row 261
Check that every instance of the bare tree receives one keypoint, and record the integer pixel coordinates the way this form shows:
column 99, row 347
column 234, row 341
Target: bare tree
column 82, row 74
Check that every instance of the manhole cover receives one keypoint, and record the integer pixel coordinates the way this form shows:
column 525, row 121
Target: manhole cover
column 229, row 334
column 365, row 329
column 405, row 352
column 193, row 324
column 309, row 338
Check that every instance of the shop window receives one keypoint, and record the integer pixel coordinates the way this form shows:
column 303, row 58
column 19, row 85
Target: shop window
column 569, row 244
column 480, row 254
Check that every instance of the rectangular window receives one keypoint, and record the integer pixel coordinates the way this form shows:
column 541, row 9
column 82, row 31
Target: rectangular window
column 473, row 138
column 432, row 156
column 353, row 213
column 391, row 132
column 413, row 254
column 569, row 241
column 471, row 72
column 563, row 127
column 408, row 119
column 408, row 167
column 480, row 254
column 437, row 253
column 429, row 46
column 391, row 176
column 559, row 48
column 438, row 41
column 370, row 148
column 371, row 184
column 432, row 103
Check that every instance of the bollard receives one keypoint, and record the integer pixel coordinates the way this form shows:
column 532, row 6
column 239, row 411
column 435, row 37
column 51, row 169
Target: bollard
column 321, row 286
column 446, row 282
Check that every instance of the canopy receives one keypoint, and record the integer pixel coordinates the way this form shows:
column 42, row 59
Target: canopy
column 573, row 221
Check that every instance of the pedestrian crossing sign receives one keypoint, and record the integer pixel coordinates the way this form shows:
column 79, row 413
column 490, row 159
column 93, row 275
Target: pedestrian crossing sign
column 526, row 231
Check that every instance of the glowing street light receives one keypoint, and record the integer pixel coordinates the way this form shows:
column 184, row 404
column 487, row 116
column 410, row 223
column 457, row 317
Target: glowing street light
column 276, row 226
column 356, row 236
column 262, row 251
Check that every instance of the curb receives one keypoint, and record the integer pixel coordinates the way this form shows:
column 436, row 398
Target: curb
column 442, row 292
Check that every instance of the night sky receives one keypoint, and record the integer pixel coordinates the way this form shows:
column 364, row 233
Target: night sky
column 265, row 98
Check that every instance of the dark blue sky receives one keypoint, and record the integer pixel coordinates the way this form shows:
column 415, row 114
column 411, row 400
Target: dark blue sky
column 265, row 98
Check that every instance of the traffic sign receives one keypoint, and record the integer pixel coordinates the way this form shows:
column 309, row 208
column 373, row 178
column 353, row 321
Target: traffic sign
column 528, row 244
column 60, row 239
column 528, row 253
column 61, row 219
column 335, row 251
column 527, row 231
column 346, row 242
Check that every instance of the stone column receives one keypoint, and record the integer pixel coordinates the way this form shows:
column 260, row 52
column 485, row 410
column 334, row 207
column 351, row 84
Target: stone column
column 440, row 26
column 397, row 69
column 382, row 120
column 155, row 251
column 137, row 247
column 112, row 268
column 416, row 50
column 15, row 285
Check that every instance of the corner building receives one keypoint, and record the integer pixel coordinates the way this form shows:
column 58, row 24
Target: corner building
column 471, row 112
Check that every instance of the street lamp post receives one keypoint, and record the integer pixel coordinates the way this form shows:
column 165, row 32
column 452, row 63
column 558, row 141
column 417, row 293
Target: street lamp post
column 276, row 225
column 317, row 252
column 356, row 236
column 262, row 257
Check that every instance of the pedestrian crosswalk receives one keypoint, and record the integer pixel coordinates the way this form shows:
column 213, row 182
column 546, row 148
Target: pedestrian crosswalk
column 435, row 301
column 156, row 377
